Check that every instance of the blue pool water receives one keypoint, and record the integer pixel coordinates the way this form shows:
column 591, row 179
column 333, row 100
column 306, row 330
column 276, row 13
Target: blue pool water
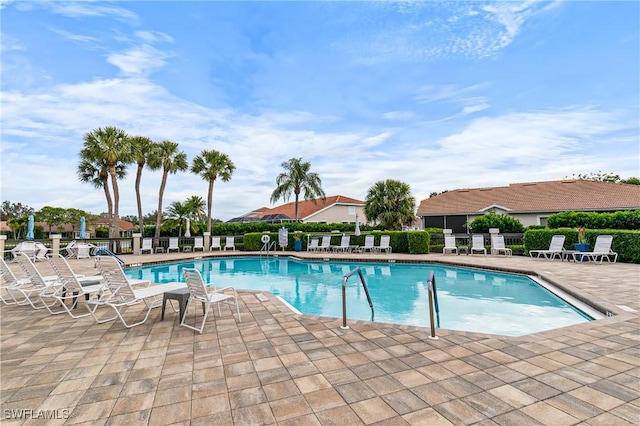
column 469, row 299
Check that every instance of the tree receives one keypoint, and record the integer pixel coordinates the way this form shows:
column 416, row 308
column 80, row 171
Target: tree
column 177, row 214
column 391, row 204
column 171, row 160
column 73, row 216
column 143, row 149
column 197, row 205
column 51, row 215
column 110, row 147
column 210, row 165
column 11, row 210
column 605, row 177
column 94, row 171
column 296, row 179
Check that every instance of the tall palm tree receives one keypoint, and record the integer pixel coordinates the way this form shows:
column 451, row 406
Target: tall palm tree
column 296, row 179
column 198, row 207
column 111, row 146
column 171, row 160
column 210, row 165
column 390, row 202
column 95, row 172
column 143, row 148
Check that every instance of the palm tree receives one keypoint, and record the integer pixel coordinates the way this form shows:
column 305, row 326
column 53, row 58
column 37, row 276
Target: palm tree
column 197, row 207
column 95, row 172
column 109, row 146
column 296, row 178
column 177, row 214
column 171, row 160
column 390, row 202
column 209, row 165
column 143, row 148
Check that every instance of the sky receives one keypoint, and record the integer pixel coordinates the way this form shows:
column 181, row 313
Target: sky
column 439, row 95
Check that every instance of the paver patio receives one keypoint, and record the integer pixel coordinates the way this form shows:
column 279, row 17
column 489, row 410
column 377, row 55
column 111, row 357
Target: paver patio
column 277, row 367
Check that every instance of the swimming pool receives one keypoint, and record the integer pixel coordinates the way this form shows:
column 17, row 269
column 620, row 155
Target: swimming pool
column 469, row 299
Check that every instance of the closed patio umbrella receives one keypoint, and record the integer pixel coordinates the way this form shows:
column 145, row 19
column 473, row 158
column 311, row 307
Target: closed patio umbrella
column 83, row 228
column 30, row 226
column 357, row 227
column 187, row 232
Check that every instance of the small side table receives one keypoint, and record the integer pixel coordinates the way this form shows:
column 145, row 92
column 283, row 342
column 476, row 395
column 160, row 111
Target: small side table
column 464, row 249
column 182, row 296
column 186, row 249
column 159, row 249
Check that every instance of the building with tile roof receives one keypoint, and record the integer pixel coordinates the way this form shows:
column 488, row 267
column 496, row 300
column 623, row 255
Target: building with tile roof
column 531, row 203
column 334, row 209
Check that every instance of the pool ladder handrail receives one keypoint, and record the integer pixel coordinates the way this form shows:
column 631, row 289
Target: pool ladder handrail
column 266, row 247
column 358, row 271
column 433, row 300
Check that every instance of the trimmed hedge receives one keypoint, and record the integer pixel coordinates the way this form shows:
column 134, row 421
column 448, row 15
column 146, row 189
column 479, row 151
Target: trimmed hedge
column 629, row 219
column 625, row 243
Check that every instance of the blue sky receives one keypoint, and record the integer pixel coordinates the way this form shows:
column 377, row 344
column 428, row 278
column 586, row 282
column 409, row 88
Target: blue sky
column 440, row 95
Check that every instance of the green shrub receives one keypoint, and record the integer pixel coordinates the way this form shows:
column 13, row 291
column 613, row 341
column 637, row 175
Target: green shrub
column 629, row 219
column 505, row 223
column 418, row 242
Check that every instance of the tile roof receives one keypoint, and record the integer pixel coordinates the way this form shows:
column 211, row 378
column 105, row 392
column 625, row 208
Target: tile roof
column 550, row 196
column 122, row 224
column 307, row 208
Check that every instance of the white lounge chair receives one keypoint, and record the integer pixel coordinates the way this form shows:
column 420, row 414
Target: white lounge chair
column 198, row 243
column 313, row 244
column 70, row 248
column 477, row 244
column 555, row 248
column 230, row 243
column 69, row 287
column 147, row 245
column 345, row 244
column 199, row 292
column 369, row 244
column 122, row 293
column 173, row 245
column 32, row 289
column 384, row 244
column 449, row 245
column 215, row 244
column 9, row 283
column 325, row 245
column 601, row 250
column 498, row 246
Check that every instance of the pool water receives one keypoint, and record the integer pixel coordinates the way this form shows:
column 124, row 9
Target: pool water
column 469, row 299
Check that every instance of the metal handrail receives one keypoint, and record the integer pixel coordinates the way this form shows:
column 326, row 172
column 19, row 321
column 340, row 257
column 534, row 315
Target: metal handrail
column 433, row 299
column 344, row 325
column 267, row 247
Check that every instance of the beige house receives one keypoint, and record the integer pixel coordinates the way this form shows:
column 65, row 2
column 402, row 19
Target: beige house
column 531, row 203
column 334, row 209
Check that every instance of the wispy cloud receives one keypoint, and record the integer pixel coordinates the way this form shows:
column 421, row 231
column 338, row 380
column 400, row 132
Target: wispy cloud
column 74, row 37
column 139, row 60
column 90, row 9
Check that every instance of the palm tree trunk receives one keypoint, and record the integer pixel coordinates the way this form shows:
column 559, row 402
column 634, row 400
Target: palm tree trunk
column 297, row 196
column 115, row 220
column 209, row 205
column 138, row 200
column 159, row 213
column 107, row 194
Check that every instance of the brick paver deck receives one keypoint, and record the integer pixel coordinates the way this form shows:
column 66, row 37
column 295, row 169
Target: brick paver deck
column 276, row 367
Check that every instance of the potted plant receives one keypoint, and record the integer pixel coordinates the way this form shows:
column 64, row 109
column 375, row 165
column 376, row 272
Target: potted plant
column 297, row 240
column 582, row 245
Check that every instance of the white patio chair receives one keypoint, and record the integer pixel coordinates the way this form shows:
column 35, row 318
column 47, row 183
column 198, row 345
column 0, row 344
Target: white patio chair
column 345, row 243
column 147, row 245
column 8, row 284
column 325, row 244
column 555, row 248
column 384, row 244
column 198, row 243
column 477, row 244
column 601, row 250
column 32, row 289
column 230, row 243
column 173, row 245
column 199, row 292
column 313, row 245
column 449, row 245
column 498, row 246
column 215, row 244
column 122, row 293
column 369, row 244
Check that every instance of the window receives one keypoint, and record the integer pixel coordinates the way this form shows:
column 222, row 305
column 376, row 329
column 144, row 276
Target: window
column 351, row 210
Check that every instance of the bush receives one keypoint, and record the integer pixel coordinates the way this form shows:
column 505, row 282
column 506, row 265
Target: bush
column 629, row 219
column 418, row 242
column 505, row 223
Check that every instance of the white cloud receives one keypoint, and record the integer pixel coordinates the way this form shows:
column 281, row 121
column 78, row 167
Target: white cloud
column 89, row 9
column 139, row 60
column 74, row 37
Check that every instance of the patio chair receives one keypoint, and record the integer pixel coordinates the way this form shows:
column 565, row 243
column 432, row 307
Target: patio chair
column 70, row 248
column 8, row 282
column 498, row 246
column 477, row 244
column 123, row 295
column 83, row 251
column 449, row 245
column 345, row 244
column 199, row 292
column 384, row 244
column 601, row 250
column 325, row 244
column 369, row 244
column 173, row 245
column 555, row 248
column 313, row 244
column 215, row 244
column 230, row 243
column 70, row 287
column 147, row 245
column 32, row 289
column 198, row 243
